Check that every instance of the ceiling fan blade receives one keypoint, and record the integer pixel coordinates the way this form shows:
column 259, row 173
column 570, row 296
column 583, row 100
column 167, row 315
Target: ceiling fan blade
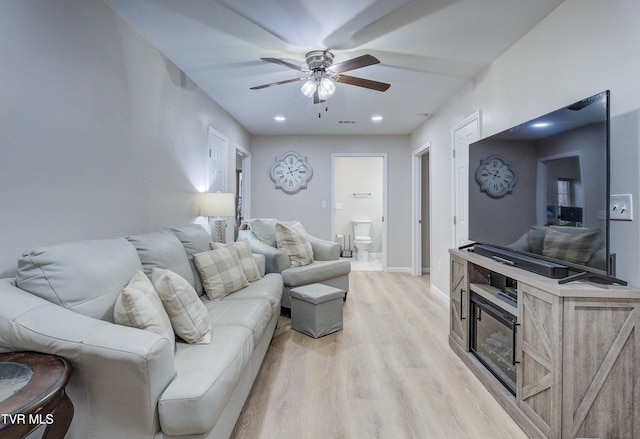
column 258, row 87
column 286, row 64
column 366, row 83
column 354, row 63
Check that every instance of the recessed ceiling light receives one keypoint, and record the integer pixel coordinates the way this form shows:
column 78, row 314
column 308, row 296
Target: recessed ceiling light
column 280, row 118
column 376, row 118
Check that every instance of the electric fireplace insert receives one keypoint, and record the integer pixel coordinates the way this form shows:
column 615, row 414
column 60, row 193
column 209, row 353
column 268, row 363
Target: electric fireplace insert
column 493, row 339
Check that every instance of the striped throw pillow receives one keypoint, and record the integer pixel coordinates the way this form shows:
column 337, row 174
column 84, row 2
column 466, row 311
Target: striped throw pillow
column 139, row 306
column 221, row 272
column 188, row 315
column 248, row 262
column 293, row 241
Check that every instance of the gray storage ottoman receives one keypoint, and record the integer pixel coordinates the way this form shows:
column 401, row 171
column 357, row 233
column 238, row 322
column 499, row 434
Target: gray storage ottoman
column 316, row 309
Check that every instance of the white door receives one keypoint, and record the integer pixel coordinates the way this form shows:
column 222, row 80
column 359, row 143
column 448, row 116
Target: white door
column 218, row 146
column 464, row 133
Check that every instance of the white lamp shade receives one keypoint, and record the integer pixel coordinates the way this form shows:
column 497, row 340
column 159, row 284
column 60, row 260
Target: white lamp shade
column 217, row 204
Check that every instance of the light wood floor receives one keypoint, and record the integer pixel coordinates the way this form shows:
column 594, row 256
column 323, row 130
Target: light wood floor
column 389, row 374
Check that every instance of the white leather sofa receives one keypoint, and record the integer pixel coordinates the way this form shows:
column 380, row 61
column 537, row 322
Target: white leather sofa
column 127, row 382
column 327, row 268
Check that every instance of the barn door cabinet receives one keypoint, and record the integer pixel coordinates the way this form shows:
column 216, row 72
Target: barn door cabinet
column 577, row 351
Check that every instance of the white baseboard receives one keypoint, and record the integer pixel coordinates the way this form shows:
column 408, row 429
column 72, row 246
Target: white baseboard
column 444, row 296
column 399, row 270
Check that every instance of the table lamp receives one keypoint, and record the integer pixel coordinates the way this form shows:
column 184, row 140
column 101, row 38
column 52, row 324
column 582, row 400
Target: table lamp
column 216, row 206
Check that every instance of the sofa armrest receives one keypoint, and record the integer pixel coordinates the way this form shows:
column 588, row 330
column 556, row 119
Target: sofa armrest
column 324, row 250
column 118, row 372
column 275, row 260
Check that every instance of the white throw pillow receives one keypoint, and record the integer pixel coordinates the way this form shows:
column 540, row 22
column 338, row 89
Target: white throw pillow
column 293, row 241
column 248, row 262
column 221, row 272
column 139, row 306
column 188, row 315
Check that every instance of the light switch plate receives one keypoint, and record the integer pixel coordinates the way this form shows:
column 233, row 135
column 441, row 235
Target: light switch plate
column 621, row 207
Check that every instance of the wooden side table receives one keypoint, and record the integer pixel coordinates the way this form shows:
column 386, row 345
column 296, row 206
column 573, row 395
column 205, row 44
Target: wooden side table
column 32, row 394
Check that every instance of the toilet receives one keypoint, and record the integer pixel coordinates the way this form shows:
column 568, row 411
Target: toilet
column 362, row 241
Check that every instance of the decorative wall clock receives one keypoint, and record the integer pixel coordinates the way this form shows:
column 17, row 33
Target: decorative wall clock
column 496, row 176
column 291, row 172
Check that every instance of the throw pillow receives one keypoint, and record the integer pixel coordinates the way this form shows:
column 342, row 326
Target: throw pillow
column 248, row 262
column 139, row 306
column 293, row 241
column 536, row 239
column 221, row 272
column 188, row 315
column 570, row 247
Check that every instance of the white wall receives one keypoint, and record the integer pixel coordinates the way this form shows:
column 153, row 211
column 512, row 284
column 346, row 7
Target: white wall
column 100, row 135
column 306, row 205
column 582, row 48
column 359, row 175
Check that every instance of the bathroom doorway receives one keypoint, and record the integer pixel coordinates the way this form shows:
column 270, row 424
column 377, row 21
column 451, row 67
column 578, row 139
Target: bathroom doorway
column 359, row 194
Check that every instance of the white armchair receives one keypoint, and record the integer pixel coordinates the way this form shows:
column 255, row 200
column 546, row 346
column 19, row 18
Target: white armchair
column 327, row 267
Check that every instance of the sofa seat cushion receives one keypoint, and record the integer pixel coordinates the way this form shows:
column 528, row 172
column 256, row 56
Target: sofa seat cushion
column 206, row 376
column 251, row 314
column 315, row 272
column 268, row 288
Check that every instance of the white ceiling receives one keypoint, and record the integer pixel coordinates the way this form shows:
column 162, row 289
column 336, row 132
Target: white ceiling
column 428, row 50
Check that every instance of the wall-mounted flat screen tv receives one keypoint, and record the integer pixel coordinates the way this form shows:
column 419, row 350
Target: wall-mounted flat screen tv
column 542, row 188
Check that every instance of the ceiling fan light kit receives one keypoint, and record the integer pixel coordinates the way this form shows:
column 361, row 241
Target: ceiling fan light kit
column 323, row 75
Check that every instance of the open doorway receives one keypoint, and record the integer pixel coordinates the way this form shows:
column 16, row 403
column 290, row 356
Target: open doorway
column 421, row 211
column 359, row 209
column 242, row 185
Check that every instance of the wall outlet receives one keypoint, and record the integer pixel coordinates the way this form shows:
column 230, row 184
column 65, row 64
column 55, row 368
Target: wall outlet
column 324, row 204
column 621, row 207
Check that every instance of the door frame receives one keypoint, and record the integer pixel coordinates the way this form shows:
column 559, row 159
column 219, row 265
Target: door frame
column 417, row 207
column 246, row 176
column 472, row 119
column 384, row 196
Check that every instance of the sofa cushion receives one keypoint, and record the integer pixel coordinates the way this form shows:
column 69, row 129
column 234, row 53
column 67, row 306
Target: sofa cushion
column 189, row 317
column 265, row 229
column 139, row 306
column 268, row 288
column 162, row 249
column 316, row 272
column 206, row 376
column 570, row 247
column 221, row 272
column 247, row 260
column 293, row 241
column 194, row 239
column 84, row 276
column 251, row 314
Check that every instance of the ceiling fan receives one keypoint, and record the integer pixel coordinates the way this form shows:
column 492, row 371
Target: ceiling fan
column 322, row 74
